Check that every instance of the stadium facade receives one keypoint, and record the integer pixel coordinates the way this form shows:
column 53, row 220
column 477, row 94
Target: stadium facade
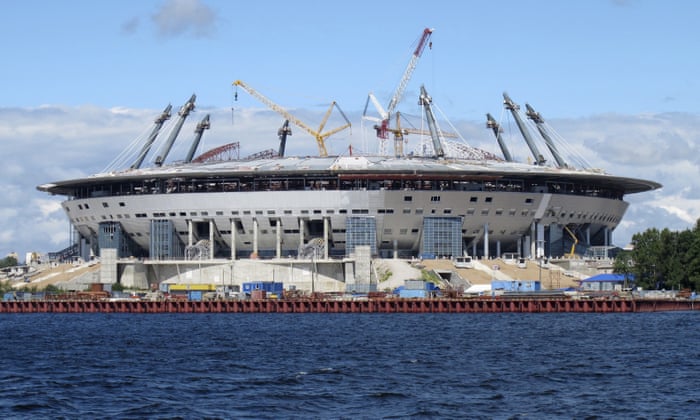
column 324, row 208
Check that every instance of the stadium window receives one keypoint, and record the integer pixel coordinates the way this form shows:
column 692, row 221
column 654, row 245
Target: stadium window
column 489, row 199
column 105, row 205
column 473, row 199
column 407, row 198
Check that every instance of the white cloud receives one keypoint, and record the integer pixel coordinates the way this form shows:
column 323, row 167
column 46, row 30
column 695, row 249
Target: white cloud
column 181, row 17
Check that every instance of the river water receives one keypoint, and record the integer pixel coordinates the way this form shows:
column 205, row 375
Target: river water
column 613, row 365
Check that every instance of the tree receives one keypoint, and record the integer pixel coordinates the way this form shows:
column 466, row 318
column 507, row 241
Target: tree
column 8, row 261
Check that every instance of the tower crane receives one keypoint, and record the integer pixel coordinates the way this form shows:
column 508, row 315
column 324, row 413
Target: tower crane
column 383, row 128
column 319, row 135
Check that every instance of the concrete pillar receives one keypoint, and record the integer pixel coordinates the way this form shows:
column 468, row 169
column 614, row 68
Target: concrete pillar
column 301, row 234
column 498, row 249
column 255, row 236
column 190, row 233
column 607, row 235
column 486, row 241
column 211, row 239
column 279, row 238
column 539, row 241
column 326, row 241
column 474, row 249
column 233, row 240
column 588, row 235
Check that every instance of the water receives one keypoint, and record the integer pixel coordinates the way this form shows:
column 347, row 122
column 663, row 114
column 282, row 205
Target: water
column 350, row 366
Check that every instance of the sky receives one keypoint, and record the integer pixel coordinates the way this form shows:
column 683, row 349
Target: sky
column 82, row 81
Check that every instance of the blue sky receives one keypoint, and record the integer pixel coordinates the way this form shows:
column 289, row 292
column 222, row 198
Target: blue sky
column 82, row 79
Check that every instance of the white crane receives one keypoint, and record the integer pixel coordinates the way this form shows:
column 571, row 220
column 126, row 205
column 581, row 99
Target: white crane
column 383, row 123
column 318, row 135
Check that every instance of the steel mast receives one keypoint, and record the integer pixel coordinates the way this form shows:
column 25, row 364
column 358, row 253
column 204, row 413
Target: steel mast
column 513, row 108
column 426, row 101
column 492, row 124
column 165, row 115
column 539, row 122
column 183, row 113
column 198, row 131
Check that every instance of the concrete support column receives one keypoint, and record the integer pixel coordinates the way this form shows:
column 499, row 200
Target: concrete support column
column 255, row 236
column 190, row 233
column 588, row 235
column 486, row 241
column 474, row 249
column 233, row 240
column 279, row 238
column 539, row 240
column 211, row 239
column 301, row 234
column 326, row 237
column 498, row 249
column 607, row 235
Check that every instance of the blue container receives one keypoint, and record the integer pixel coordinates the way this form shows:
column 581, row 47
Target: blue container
column 9, row 296
column 412, row 293
column 194, row 295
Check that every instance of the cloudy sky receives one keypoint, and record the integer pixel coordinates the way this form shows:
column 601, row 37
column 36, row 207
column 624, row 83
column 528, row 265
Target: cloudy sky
column 82, row 82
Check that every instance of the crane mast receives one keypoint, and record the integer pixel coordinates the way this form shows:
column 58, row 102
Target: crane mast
column 317, row 134
column 383, row 127
column 409, row 70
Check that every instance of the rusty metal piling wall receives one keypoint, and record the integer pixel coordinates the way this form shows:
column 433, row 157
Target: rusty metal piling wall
column 384, row 305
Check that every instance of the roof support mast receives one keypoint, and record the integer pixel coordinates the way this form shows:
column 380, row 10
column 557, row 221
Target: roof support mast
column 203, row 125
column 183, row 113
column 539, row 122
column 513, row 108
column 426, row 101
column 165, row 115
column 492, row 124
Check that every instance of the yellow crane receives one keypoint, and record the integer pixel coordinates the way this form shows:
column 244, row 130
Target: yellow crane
column 319, row 135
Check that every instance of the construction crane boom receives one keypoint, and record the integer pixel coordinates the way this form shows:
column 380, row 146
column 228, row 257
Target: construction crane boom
column 398, row 94
column 320, row 137
column 383, row 126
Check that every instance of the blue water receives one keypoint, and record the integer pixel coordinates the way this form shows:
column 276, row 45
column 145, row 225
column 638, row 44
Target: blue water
column 350, row 366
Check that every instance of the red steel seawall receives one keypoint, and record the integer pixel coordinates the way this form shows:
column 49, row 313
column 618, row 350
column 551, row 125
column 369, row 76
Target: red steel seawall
column 347, row 306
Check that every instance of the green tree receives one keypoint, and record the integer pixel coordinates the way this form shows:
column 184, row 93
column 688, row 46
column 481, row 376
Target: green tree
column 8, row 261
